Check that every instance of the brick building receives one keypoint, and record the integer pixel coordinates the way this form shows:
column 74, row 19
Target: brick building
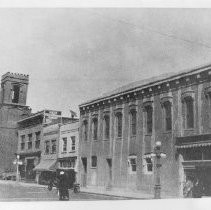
column 13, row 107
column 30, row 134
column 118, row 132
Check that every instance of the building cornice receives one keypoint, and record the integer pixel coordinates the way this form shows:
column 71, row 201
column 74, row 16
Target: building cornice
column 176, row 81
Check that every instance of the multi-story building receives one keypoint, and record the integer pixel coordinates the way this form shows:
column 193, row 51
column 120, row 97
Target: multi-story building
column 30, row 134
column 50, row 149
column 118, row 132
column 13, row 107
column 68, row 145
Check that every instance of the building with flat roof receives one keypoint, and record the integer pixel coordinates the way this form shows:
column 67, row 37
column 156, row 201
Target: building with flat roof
column 30, row 134
column 119, row 129
column 50, row 148
column 68, row 146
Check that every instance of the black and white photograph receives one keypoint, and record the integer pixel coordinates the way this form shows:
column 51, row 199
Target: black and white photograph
column 105, row 104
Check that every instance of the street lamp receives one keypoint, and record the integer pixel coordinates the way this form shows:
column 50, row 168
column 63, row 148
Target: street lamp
column 157, row 154
column 17, row 162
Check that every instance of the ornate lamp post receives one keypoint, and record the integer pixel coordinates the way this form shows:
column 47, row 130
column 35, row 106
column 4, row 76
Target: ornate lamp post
column 157, row 154
column 17, row 162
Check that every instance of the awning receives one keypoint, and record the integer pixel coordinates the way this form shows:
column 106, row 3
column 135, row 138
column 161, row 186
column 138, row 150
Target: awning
column 194, row 145
column 46, row 165
column 201, row 140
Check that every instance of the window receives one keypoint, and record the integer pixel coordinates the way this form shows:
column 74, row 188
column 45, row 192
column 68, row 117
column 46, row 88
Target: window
column 85, row 130
column 94, row 162
column 148, row 165
column 73, row 143
column 68, row 163
column 64, row 144
column 94, row 128
column 119, row 124
column 132, row 164
column 22, row 142
column 133, row 122
column 106, row 127
column 53, row 146
column 189, row 112
column 37, row 142
column 149, row 119
column 167, row 116
column 47, row 147
column 30, row 141
column 15, row 93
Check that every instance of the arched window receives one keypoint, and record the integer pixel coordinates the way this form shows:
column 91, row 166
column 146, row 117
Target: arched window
column 133, row 122
column 94, row 128
column 167, row 116
column 119, row 124
column 85, row 130
column 149, row 121
column 189, row 112
column 106, row 127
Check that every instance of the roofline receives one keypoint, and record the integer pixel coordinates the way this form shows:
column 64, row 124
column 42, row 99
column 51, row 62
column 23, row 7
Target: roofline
column 157, row 82
column 36, row 114
column 32, row 116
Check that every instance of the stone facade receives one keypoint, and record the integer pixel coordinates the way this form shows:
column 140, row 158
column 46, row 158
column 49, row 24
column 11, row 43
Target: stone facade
column 118, row 131
column 12, row 108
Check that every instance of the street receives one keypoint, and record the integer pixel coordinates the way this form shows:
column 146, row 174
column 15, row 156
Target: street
column 12, row 191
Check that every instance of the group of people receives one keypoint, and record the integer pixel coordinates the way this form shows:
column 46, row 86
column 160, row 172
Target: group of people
column 193, row 188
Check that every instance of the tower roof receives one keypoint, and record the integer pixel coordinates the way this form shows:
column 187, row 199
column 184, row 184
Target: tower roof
column 15, row 77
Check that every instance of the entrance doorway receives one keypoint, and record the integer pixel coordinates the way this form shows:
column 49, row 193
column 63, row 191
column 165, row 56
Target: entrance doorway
column 109, row 184
column 30, row 174
column 202, row 174
column 84, row 173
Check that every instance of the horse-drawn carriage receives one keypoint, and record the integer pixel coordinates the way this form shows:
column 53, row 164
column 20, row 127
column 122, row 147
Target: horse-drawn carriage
column 64, row 180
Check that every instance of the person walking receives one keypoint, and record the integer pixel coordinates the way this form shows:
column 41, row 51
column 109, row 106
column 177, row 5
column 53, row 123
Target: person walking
column 63, row 186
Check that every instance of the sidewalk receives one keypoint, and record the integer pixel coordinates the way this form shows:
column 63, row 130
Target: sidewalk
column 126, row 193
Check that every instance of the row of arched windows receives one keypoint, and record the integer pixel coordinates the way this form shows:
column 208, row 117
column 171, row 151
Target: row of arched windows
column 167, row 120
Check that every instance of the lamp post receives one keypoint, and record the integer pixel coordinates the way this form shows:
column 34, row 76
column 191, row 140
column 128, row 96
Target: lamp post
column 17, row 162
column 157, row 154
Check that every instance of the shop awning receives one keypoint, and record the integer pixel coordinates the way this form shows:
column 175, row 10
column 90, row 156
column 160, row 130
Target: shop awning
column 205, row 144
column 202, row 140
column 46, row 165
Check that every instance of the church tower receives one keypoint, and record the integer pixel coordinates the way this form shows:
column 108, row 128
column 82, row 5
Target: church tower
column 14, row 89
column 12, row 108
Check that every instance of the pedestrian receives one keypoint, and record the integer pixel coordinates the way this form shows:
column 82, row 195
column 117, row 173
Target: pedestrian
column 63, row 186
column 197, row 189
column 188, row 188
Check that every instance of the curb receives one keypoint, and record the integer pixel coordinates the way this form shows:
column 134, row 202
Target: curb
column 120, row 196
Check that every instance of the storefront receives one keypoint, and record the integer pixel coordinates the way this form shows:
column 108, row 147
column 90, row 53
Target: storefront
column 45, row 170
column 196, row 160
column 29, row 162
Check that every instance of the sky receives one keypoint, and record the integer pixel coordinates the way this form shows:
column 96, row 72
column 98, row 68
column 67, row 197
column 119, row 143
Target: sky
column 74, row 55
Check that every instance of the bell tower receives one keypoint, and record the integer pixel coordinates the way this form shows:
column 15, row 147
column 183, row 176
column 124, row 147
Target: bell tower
column 14, row 89
column 12, row 108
